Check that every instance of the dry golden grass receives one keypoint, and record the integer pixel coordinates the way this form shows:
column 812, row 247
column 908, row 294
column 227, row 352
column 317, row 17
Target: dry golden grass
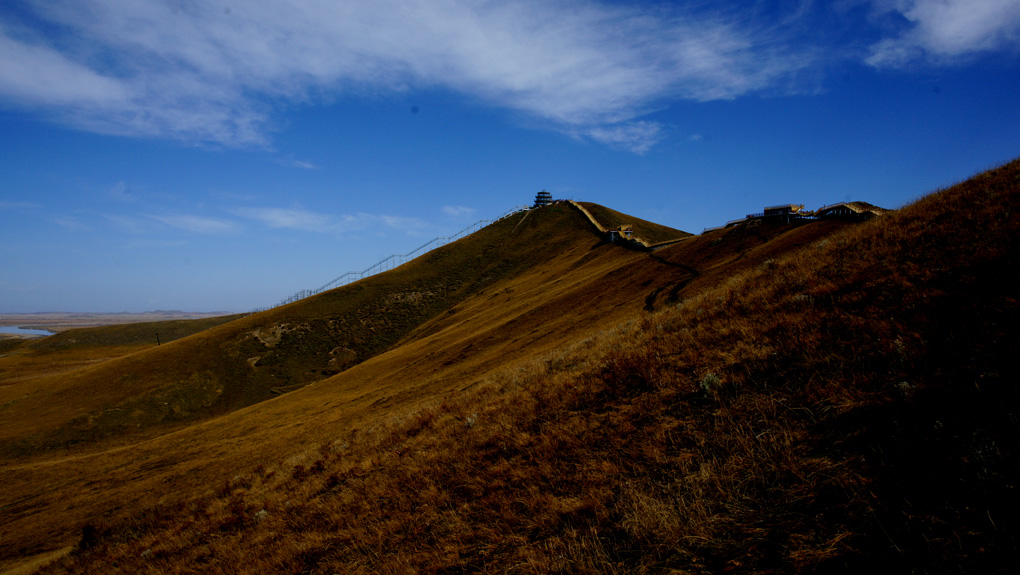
column 648, row 231
column 141, row 395
column 802, row 399
column 541, row 302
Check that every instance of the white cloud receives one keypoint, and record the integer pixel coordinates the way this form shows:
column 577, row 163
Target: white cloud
column 195, row 71
column 402, row 223
column 305, row 220
column 296, row 219
column 638, row 137
column 301, row 164
column 41, row 76
column 457, row 211
column 197, row 224
column 942, row 31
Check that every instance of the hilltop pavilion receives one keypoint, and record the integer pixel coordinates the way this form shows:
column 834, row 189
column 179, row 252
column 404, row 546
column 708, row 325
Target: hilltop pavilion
column 542, row 198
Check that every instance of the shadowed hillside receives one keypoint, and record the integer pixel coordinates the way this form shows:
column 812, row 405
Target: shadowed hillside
column 143, row 333
column 820, row 397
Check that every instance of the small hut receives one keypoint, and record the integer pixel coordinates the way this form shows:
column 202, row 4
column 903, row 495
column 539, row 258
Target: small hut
column 543, row 198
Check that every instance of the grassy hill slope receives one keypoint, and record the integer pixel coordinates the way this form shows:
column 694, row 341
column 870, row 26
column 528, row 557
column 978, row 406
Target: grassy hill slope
column 129, row 386
column 255, row 358
column 75, row 347
column 31, row 366
column 844, row 406
column 554, row 284
column 143, row 333
column 648, row 231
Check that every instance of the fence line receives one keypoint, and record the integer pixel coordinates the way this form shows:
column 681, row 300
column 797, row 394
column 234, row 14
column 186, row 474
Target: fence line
column 827, row 206
column 714, row 228
column 393, row 261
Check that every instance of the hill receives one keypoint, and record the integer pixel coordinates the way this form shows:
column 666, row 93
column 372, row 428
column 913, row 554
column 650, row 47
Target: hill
column 146, row 333
column 819, row 396
column 62, row 321
column 651, row 232
column 255, row 358
column 109, row 404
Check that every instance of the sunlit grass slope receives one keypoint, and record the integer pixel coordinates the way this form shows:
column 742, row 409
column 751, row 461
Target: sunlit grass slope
column 254, row 358
column 849, row 405
column 544, row 276
column 564, row 284
column 648, row 231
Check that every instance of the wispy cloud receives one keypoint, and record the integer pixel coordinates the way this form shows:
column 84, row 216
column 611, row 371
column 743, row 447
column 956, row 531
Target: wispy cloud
column 944, row 31
column 289, row 218
column 291, row 162
column 37, row 74
column 457, row 211
column 144, row 224
column 128, row 224
column 403, row 223
column 196, row 224
column 196, row 71
column 638, row 137
column 72, row 224
column 308, row 221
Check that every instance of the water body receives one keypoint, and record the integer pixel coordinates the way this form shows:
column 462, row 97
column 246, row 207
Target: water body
column 23, row 330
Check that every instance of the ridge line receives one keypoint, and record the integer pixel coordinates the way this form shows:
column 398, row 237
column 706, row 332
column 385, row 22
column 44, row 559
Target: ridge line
column 391, row 261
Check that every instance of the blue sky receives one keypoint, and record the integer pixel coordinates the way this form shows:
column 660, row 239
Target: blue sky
column 219, row 156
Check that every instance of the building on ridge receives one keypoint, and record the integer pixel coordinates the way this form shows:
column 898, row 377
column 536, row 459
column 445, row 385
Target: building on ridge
column 785, row 213
column 543, row 198
column 789, row 213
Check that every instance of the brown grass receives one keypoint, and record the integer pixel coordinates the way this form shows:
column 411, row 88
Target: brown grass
column 843, row 406
column 651, row 232
column 152, row 391
column 537, row 307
